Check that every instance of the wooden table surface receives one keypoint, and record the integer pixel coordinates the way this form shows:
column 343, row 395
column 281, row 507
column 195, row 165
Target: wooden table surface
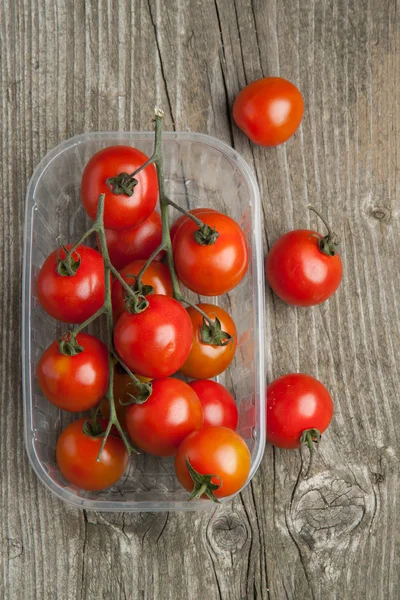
column 69, row 67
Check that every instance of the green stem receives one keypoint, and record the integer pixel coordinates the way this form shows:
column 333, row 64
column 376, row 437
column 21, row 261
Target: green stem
column 148, row 262
column 82, row 239
column 198, row 221
column 96, row 315
column 135, row 380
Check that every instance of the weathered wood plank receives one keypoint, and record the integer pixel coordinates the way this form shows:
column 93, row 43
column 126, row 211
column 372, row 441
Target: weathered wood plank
column 73, row 66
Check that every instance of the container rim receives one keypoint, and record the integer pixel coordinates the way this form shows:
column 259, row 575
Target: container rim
column 235, row 157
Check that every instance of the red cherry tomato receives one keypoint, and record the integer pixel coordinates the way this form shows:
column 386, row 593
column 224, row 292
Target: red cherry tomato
column 120, row 210
column 136, row 243
column 209, row 360
column 157, row 275
column 195, row 211
column 214, row 451
column 77, row 454
column 298, row 272
column 72, row 298
column 269, row 110
column 296, row 403
column 218, row 405
column 159, row 425
column 214, row 269
column 75, row 383
column 157, row 341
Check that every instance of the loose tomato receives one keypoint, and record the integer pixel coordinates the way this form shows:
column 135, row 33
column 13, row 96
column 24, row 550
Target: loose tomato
column 75, row 383
column 159, row 425
column 207, row 360
column 269, row 110
column 136, row 243
column 195, row 211
column 207, row 268
column 299, row 272
column 126, row 205
column 217, row 451
column 77, row 452
column 297, row 404
column 157, row 275
column 157, row 341
column 72, row 298
column 218, row 405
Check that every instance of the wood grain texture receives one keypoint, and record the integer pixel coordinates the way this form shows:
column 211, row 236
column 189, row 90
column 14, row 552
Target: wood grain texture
column 72, row 66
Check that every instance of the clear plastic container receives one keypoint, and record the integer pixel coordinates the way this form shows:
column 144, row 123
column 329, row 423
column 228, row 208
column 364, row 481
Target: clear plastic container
column 199, row 171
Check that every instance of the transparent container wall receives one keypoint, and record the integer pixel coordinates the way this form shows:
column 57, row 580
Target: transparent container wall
column 199, row 171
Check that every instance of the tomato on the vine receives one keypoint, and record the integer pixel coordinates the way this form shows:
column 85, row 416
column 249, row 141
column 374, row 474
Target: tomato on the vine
column 157, row 341
column 194, row 211
column 172, row 412
column 77, row 452
column 135, row 243
column 299, row 409
column 128, row 201
column 72, row 298
column 207, row 359
column 123, row 389
column 218, row 405
column 156, row 274
column 217, row 451
column 210, row 260
column 75, row 383
column 303, row 268
column 269, row 110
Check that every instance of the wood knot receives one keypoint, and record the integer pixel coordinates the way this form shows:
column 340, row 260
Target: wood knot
column 380, row 213
column 325, row 508
column 229, row 533
column 14, row 548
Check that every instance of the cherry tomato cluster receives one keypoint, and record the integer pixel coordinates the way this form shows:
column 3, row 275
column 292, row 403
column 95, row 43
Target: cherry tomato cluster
column 302, row 267
column 136, row 280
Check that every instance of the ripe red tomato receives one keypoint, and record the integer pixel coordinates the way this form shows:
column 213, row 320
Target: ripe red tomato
column 121, row 211
column 195, row 211
column 218, row 405
column 212, row 269
column 299, row 272
column 157, row 341
column 75, row 383
column 72, row 298
column 159, row 425
column 77, row 453
column 296, row 403
column 136, row 243
column 269, row 110
column 208, row 360
column 157, row 275
column 218, row 451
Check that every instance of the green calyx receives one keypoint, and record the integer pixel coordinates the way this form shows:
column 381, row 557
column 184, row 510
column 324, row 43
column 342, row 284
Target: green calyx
column 211, row 333
column 68, row 266
column 328, row 244
column 92, row 428
column 309, row 437
column 122, row 184
column 202, row 484
column 141, row 394
column 68, row 345
column 206, row 235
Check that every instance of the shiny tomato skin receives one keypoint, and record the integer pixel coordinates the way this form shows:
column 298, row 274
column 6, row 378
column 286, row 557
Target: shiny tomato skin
column 157, row 341
column 205, row 360
column 194, row 211
column 171, row 413
column 296, row 402
column 75, row 383
column 269, row 110
column 213, row 269
column 219, row 408
column 215, row 450
column 157, row 275
column 120, row 211
column 76, row 455
column 298, row 272
column 135, row 243
column 72, row 298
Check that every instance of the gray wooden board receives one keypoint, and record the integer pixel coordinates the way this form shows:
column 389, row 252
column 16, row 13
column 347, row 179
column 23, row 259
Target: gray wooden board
column 69, row 67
